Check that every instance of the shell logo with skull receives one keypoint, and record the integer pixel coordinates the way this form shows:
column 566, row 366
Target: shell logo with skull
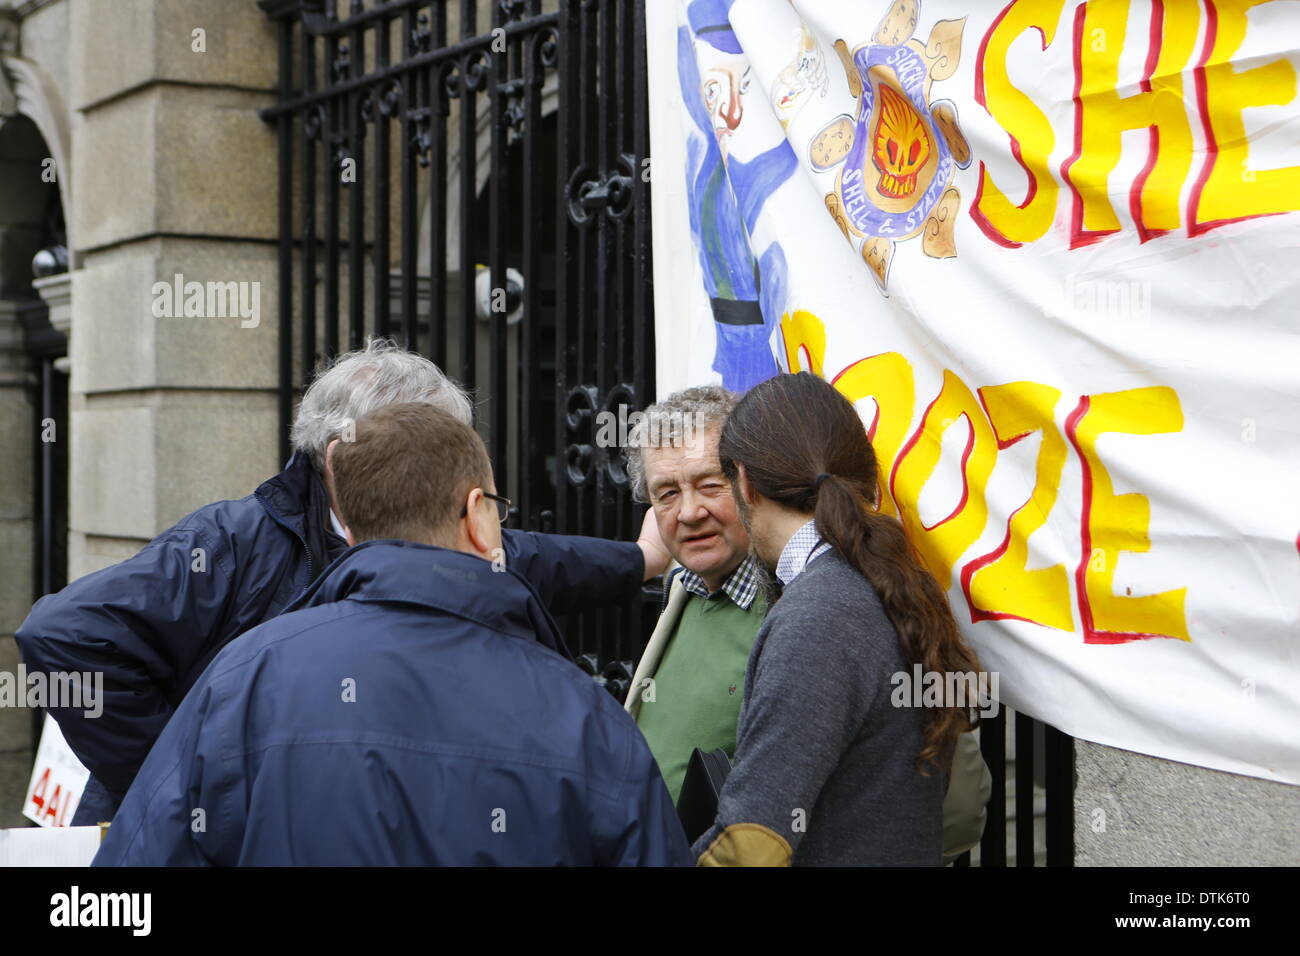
column 897, row 156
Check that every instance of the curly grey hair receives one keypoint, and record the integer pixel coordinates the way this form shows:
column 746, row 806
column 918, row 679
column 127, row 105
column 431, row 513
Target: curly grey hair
column 700, row 409
column 358, row 382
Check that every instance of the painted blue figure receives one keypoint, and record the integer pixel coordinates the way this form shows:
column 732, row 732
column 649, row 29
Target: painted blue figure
column 725, row 197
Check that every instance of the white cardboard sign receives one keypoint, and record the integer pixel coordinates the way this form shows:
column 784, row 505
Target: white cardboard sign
column 58, row 780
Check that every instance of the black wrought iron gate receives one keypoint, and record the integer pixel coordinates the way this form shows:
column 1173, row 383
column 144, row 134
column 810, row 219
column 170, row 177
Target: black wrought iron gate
column 462, row 175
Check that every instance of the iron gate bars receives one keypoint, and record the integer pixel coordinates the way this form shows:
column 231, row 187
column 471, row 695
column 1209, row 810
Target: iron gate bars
column 465, row 176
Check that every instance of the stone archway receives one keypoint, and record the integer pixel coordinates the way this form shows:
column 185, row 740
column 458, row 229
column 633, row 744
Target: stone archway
column 33, row 379
column 27, row 94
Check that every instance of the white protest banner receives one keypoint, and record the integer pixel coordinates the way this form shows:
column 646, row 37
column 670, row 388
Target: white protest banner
column 1049, row 250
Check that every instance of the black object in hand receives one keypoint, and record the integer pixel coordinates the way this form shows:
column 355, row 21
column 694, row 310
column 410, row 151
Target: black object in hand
column 697, row 803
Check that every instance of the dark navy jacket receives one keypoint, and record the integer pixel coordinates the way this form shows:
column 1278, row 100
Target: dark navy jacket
column 405, row 712
column 152, row 623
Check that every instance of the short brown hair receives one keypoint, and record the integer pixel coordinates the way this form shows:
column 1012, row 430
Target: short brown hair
column 407, row 473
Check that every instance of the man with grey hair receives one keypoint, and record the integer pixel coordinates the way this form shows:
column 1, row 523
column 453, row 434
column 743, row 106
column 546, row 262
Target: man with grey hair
column 688, row 686
column 690, row 681
column 152, row 623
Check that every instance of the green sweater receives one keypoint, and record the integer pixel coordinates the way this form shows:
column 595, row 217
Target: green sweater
column 700, row 683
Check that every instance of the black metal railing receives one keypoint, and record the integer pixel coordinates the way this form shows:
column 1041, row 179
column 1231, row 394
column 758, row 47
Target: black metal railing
column 1031, row 808
column 461, row 175
column 47, row 351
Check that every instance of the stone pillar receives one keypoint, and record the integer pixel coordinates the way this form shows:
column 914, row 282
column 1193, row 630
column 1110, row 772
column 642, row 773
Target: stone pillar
column 1135, row 810
column 175, row 176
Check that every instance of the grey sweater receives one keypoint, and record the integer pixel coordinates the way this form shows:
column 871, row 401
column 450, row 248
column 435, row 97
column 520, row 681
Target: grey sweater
column 822, row 757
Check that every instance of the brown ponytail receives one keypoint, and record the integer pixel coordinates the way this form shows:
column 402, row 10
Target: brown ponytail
column 803, row 445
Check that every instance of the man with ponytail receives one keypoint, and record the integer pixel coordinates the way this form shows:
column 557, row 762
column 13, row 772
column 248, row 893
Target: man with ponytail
column 828, row 771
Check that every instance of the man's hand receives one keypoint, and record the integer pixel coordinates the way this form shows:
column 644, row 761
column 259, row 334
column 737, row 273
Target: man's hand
column 656, row 555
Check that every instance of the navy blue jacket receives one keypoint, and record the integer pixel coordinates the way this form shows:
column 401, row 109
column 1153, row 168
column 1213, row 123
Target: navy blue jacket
column 405, row 712
column 152, row 623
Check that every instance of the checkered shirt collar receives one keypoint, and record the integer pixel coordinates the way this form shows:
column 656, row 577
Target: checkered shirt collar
column 741, row 585
column 804, row 545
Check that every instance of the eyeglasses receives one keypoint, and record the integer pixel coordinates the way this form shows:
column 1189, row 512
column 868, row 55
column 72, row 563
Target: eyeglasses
column 503, row 506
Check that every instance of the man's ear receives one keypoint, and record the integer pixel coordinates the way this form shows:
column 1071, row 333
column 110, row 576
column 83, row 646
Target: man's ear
column 742, row 484
column 329, row 487
column 476, row 522
column 329, row 461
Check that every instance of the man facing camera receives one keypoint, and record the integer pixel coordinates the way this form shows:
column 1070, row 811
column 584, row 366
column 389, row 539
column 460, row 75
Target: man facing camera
column 410, row 708
column 688, row 686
